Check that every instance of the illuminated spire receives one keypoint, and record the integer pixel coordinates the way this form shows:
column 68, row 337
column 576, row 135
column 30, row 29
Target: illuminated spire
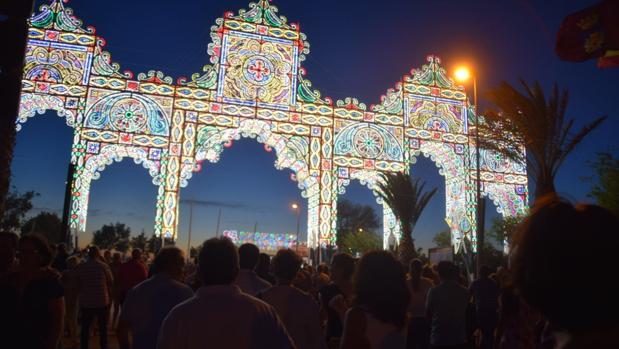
column 58, row 17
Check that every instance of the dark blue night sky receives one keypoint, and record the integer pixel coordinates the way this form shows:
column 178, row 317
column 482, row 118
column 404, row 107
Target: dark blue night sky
column 358, row 49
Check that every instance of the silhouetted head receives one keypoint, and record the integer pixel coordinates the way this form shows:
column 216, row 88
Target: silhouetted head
column 415, row 268
column 286, row 265
column 342, row 267
column 94, row 252
column 218, row 262
column 323, row 269
column 136, row 254
column 248, row 256
column 564, row 259
column 447, row 271
column 379, row 285
column 264, row 264
column 107, row 255
column 34, row 252
column 116, row 257
column 170, row 260
column 61, row 249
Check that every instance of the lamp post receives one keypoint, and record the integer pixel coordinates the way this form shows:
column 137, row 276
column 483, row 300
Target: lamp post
column 297, row 209
column 463, row 74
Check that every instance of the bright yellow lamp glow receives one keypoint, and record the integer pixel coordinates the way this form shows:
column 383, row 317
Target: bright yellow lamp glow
column 462, row 74
column 294, row 206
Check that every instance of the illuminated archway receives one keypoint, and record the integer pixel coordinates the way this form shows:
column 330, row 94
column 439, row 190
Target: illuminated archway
column 255, row 86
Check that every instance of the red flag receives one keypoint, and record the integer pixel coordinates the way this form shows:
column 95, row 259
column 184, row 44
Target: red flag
column 591, row 33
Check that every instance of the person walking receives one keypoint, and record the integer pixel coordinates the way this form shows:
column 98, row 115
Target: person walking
column 220, row 315
column 71, row 293
column 248, row 280
column 115, row 268
column 485, row 295
column 148, row 303
column 60, row 260
column 446, row 306
column 335, row 297
column 377, row 318
column 297, row 309
column 419, row 325
column 131, row 273
column 95, row 282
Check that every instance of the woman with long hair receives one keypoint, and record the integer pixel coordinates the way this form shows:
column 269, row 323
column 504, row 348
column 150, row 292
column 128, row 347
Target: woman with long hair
column 419, row 325
column 377, row 319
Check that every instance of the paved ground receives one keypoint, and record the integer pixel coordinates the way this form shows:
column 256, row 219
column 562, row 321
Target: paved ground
column 94, row 342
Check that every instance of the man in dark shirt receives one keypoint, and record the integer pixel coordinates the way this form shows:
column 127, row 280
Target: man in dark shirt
column 334, row 297
column 485, row 293
column 148, row 303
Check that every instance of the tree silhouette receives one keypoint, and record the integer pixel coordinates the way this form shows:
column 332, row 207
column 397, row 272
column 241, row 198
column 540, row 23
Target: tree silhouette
column 47, row 224
column 112, row 236
column 352, row 217
column 538, row 122
column 407, row 200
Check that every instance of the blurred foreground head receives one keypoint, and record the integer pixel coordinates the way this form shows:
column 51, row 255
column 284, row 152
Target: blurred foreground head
column 565, row 261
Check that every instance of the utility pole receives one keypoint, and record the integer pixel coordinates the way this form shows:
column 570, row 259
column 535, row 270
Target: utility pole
column 218, row 221
column 66, row 209
column 192, row 202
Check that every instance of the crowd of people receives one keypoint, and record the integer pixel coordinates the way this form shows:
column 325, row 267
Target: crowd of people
column 557, row 293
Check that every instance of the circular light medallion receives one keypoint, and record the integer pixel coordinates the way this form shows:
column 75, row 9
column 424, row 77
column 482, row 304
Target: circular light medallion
column 369, row 143
column 128, row 115
column 258, row 70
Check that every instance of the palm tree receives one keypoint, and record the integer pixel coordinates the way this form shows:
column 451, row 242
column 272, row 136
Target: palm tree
column 407, row 200
column 538, row 122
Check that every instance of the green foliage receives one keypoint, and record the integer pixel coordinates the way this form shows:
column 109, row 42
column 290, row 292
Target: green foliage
column 16, row 207
column 140, row 241
column 112, row 236
column 47, row 224
column 360, row 242
column 352, row 217
column 407, row 200
column 537, row 121
column 606, row 190
column 504, row 229
column 442, row 239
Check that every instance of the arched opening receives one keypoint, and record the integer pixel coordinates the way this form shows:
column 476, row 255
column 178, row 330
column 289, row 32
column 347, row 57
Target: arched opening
column 251, row 194
column 125, row 194
column 359, row 222
column 432, row 222
column 41, row 160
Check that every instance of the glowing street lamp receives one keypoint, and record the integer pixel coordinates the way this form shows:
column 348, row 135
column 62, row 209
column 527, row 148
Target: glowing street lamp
column 463, row 74
column 295, row 207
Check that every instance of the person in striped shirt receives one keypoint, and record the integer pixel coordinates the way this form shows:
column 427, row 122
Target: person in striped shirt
column 94, row 280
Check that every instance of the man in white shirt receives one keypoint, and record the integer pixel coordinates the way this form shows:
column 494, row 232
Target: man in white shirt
column 220, row 315
column 297, row 309
column 248, row 281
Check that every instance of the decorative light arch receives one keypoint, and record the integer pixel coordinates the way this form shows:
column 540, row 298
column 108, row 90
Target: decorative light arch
column 255, row 86
column 33, row 104
column 91, row 170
